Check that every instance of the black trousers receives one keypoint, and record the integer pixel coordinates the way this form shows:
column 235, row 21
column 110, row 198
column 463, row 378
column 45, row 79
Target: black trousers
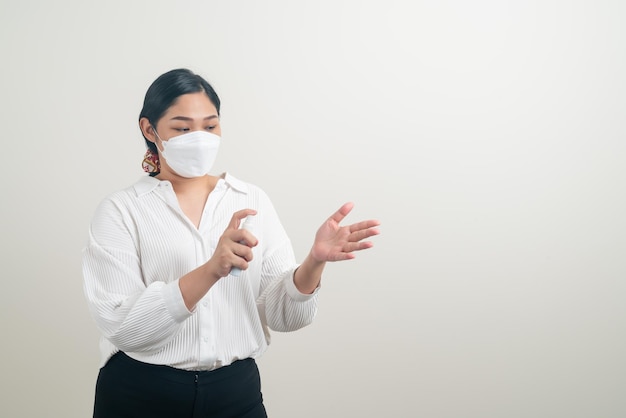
column 127, row 388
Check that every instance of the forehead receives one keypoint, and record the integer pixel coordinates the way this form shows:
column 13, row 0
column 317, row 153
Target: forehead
column 193, row 105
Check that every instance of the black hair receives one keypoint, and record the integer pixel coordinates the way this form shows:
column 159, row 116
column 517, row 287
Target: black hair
column 164, row 91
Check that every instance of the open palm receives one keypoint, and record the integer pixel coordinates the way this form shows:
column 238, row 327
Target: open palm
column 335, row 243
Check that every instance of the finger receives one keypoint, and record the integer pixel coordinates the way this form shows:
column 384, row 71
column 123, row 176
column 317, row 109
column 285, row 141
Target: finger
column 342, row 212
column 363, row 234
column 343, row 256
column 350, row 248
column 362, row 245
column 238, row 216
column 242, row 251
column 245, row 237
column 358, row 226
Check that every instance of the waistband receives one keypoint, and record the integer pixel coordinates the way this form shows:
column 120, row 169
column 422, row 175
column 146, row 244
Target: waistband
column 158, row 371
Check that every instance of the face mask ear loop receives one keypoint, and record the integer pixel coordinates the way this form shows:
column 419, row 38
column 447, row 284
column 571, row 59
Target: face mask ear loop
column 157, row 135
column 155, row 132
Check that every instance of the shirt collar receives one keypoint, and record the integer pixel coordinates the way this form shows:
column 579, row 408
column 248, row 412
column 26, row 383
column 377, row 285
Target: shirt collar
column 235, row 183
column 147, row 184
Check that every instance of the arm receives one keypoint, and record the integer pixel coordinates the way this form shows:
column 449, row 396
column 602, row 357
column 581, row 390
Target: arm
column 133, row 316
column 289, row 302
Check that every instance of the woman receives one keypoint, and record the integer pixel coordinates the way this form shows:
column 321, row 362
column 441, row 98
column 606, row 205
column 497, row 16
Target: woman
column 184, row 297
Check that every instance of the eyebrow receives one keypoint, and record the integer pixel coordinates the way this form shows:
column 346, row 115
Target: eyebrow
column 186, row 119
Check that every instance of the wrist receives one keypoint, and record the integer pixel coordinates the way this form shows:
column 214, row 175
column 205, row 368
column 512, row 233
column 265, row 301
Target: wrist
column 308, row 275
column 313, row 259
column 210, row 273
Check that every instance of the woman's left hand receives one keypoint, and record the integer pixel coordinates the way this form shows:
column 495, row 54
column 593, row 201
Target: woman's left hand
column 335, row 243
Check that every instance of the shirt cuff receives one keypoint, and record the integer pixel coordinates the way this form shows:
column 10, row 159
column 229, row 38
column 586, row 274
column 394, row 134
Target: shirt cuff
column 293, row 291
column 174, row 301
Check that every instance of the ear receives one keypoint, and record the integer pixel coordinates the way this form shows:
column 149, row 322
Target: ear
column 147, row 130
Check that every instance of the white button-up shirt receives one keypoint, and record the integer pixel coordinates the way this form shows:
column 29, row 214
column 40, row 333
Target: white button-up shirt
column 141, row 243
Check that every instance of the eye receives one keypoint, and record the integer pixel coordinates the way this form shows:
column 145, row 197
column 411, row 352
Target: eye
column 181, row 129
column 210, row 128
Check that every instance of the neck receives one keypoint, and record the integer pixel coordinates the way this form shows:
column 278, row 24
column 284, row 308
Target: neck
column 183, row 185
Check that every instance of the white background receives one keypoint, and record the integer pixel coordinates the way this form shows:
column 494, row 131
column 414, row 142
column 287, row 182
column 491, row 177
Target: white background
column 487, row 136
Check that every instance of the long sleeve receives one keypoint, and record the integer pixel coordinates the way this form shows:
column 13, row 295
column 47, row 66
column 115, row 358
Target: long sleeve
column 285, row 309
column 132, row 316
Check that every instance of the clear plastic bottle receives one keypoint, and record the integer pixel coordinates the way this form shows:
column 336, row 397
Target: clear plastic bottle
column 247, row 225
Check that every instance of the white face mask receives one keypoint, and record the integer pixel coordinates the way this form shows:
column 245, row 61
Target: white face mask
column 191, row 154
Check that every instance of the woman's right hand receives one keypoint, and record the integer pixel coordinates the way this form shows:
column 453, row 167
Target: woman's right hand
column 234, row 248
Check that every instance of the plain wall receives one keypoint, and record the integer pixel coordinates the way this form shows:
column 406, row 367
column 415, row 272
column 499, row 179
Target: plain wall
column 487, row 136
